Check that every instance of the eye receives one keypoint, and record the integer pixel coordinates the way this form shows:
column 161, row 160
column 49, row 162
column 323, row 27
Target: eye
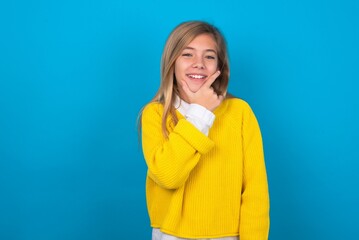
column 187, row 54
column 210, row 57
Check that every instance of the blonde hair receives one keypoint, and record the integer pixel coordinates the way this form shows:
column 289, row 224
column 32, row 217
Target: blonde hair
column 179, row 38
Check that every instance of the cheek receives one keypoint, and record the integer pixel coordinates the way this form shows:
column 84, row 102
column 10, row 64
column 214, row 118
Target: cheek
column 179, row 68
column 177, row 73
column 216, row 65
column 213, row 67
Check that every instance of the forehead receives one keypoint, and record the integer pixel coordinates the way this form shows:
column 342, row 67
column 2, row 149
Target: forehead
column 203, row 42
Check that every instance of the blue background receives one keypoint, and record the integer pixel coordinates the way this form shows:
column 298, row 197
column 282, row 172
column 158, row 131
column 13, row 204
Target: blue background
column 74, row 75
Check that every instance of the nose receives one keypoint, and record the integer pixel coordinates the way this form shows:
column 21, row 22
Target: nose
column 198, row 63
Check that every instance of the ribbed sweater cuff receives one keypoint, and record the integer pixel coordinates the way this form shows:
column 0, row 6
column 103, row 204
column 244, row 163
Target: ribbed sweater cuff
column 195, row 138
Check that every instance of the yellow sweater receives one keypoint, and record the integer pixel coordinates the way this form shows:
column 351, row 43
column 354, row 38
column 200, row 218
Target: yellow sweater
column 207, row 187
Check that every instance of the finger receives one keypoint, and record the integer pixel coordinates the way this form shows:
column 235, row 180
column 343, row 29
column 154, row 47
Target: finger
column 224, row 94
column 211, row 79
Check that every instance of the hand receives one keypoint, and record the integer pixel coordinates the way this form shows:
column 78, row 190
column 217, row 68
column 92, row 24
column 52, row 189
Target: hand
column 205, row 96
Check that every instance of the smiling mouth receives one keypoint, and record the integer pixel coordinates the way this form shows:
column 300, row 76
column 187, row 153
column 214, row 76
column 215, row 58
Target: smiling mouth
column 196, row 76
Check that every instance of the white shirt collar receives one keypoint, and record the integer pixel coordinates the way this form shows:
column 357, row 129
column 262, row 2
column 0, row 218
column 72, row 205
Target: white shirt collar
column 181, row 105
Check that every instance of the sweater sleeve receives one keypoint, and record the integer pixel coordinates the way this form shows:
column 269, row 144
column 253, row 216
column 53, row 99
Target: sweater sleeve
column 254, row 221
column 170, row 160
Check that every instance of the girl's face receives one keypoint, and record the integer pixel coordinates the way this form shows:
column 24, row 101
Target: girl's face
column 197, row 62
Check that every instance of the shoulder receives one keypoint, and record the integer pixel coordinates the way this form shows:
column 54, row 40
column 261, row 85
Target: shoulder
column 239, row 111
column 238, row 102
column 237, row 105
column 152, row 108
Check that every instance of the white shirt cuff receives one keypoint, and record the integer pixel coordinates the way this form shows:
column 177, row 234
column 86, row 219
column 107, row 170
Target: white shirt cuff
column 200, row 117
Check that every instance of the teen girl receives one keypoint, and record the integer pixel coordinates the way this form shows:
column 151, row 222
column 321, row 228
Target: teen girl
column 206, row 175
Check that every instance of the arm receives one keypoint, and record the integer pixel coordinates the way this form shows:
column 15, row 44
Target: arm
column 171, row 160
column 254, row 221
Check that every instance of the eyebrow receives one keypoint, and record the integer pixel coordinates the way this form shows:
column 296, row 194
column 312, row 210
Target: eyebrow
column 207, row 50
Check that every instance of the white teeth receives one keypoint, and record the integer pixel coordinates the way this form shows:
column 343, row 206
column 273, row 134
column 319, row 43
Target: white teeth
column 196, row 76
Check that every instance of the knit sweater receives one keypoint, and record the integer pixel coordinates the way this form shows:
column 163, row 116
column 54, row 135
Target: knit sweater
column 211, row 186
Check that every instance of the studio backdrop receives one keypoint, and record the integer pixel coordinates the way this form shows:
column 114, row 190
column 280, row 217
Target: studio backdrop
column 75, row 74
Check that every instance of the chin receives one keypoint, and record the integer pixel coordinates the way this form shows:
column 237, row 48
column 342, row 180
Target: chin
column 194, row 89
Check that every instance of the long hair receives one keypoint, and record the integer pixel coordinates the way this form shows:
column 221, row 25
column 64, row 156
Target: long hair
column 180, row 38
